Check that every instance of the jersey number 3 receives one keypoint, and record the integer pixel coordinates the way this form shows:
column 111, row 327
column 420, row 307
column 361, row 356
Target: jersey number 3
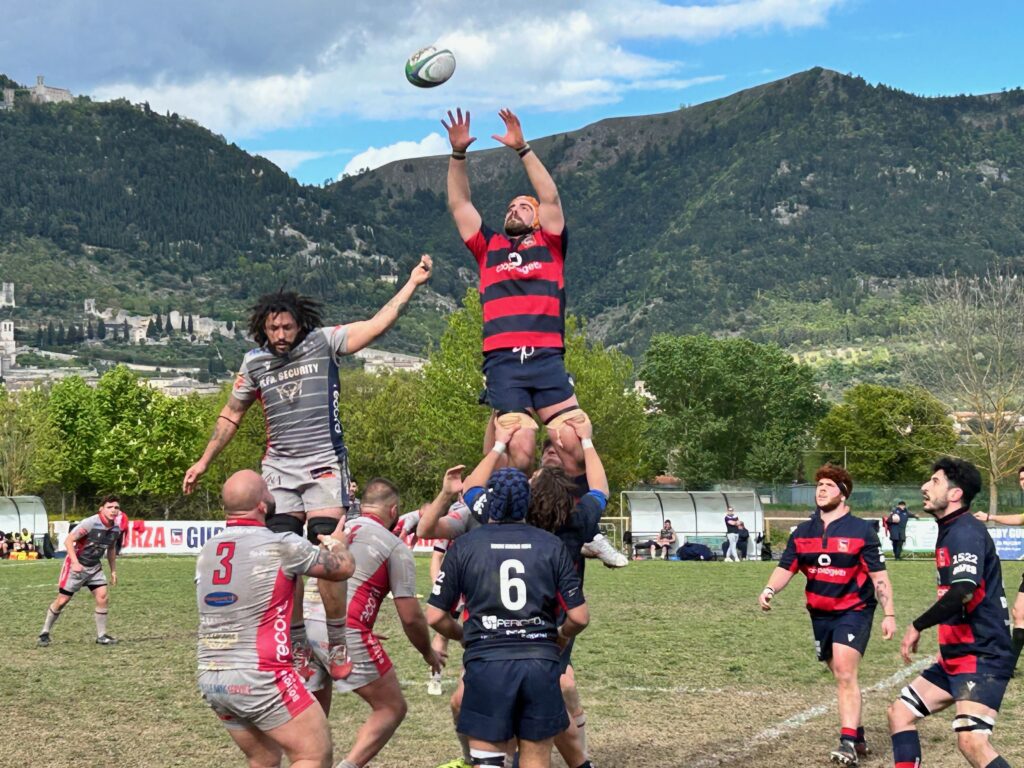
column 225, row 551
column 510, row 583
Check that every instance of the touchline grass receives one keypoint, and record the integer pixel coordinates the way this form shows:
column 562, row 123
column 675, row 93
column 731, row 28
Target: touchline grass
column 679, row 667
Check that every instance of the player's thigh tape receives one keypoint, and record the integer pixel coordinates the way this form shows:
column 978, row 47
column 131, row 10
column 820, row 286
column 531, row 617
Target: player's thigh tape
column 914, row 702
column 282, row 523
column 574, row 414
column 976, row 723
column 511, row 418
column 483, row 757
column 318, row 525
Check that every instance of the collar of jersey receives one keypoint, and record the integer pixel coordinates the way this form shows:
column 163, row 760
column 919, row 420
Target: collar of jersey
column 955, row 516
column 244, row 521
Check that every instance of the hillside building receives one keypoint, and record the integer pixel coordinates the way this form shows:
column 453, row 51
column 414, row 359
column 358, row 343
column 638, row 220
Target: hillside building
column 7, row 346
column 7, row 295
column 8, row 101
column 41, row 93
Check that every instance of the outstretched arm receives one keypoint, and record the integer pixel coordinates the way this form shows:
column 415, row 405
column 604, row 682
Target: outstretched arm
column 467, row 218
column 364, row 332
column 227, row 424
column 551, row 217
column 597, row 480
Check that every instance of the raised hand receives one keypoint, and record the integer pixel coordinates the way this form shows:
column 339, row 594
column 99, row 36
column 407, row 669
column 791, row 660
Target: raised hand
column 453, row 480
column 504, row 434
column 513, row 130
column 421, row 272
column 458, row 130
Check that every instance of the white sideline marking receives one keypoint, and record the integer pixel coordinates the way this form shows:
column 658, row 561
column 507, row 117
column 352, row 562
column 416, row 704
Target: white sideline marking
column 801, row 718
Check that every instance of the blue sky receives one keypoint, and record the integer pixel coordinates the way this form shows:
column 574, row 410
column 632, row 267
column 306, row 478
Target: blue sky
column 318, row 87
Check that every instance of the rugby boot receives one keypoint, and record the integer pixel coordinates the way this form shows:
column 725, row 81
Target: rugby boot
column 434, row 685
column 863, row 750
column 339, row 664
column 106, row 640
column 302, row 659
column 44, row 640
column 845, row 754
column 604, row 551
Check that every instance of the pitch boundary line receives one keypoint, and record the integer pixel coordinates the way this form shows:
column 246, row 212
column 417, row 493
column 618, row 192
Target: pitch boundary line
column 793, row 722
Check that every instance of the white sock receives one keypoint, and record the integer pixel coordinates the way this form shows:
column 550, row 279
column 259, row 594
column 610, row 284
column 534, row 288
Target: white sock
column 51, row 619
column 101, row 623
column 581, row 726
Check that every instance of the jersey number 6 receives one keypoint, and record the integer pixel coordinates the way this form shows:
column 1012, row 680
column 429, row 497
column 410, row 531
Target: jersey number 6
column 509, row 581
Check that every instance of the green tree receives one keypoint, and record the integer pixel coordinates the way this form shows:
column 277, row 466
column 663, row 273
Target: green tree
column 727, row 409
column 78, row 428
column 101, row 330
column 886, row 434
column 26, row 442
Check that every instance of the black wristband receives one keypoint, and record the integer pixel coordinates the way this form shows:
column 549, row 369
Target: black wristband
column 946, row 607
column 456, row 155
column 524, row 150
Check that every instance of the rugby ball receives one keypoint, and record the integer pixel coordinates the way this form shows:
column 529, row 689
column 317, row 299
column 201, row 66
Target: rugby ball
column 429, row 67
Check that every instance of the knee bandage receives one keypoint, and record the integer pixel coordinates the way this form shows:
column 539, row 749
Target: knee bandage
column 282, row 523
column 976, row 723
column 318, row 525
column 914, row 702
column 574, row 414
column 511, row 418
column 484, row 757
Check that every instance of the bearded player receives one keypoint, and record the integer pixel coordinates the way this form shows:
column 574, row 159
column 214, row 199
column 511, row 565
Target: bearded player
column 522, row 292
column 294, row 375
column 841, row 558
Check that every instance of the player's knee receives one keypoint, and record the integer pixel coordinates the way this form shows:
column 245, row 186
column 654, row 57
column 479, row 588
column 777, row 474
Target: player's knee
column 1018, row 612
column 320, row 525
column 456, row 702
column 973, row 745
column 908, row 708
column 282, row 523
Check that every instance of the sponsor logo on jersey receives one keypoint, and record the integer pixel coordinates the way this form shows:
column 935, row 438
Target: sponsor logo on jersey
column 493, row 622
column 220, row 599
column 844, row 545
column 525, row 269
column 824, row 560
column 942, row 557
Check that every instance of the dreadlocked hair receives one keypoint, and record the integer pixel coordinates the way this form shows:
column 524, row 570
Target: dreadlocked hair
column 305, row 310
column 551, row 499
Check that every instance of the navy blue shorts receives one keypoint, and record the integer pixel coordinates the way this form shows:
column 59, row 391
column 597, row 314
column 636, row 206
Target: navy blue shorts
column 512, row 698
column 517, row 381
column 986, row 686
column 852, row 628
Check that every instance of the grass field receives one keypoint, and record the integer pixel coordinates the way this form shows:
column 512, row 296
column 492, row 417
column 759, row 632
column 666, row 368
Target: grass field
column 678, row 668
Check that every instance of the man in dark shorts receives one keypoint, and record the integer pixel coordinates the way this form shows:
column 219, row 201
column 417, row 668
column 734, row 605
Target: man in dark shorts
column 1017, row 612
column 522, row 293
column 91, row 540
column 513, row 577
column 975, row 657
column 244, row 590
column 840, row 556
column 294, row 375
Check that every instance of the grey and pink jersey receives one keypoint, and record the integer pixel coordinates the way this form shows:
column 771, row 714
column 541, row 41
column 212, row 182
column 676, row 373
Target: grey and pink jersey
column 245, row 582
column 300, row 395
column 383, row 564
column 99, row 537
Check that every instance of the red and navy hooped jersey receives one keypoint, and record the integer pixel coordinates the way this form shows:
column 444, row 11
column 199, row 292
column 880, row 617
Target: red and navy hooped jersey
column 515, row 580
column 837, row 561
column 522, row 288
column 964, row 552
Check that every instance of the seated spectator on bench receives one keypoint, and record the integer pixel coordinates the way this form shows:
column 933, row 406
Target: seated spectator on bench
column 665, row 541
column 4, row 545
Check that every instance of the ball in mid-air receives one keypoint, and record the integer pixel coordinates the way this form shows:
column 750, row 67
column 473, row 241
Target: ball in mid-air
column 429, row 67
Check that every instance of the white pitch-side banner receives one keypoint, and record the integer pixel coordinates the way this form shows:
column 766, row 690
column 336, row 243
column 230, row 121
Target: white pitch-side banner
column 922, row 535
column 186, row 537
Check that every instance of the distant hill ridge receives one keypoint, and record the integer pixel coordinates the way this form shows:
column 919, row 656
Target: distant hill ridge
column 720, row 217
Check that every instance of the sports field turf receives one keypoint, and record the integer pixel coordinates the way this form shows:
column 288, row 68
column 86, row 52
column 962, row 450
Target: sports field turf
column 678, row 668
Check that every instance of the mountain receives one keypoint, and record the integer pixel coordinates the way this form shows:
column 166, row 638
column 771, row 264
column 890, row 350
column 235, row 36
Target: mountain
column 809, row 209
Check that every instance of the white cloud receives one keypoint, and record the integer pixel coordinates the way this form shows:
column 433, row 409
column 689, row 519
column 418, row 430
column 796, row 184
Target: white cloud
column 574, row 56
column 374, row 157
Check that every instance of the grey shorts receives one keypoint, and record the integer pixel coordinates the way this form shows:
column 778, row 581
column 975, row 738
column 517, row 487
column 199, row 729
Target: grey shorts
column 369, row 660
column 299, row 486
column 316, row 634
column 246, row 698
column 71, row 581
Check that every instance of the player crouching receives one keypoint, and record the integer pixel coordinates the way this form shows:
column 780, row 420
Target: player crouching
column 512, row 577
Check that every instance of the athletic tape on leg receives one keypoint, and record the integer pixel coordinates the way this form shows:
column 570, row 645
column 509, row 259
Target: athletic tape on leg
column 975, row 723
column 282, row 523
column 576, row 415
column 511, row 418
column 482, row 757
column 317, row 525
column 914, row 702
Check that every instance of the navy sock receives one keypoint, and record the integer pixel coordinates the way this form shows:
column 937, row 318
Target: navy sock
column 1018, row 642
column 860, row 734
column 998, row 762
column 906, row 749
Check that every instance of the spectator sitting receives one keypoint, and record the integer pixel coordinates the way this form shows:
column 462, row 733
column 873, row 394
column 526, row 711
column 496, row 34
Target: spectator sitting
column 665, row 541
column 4, row 546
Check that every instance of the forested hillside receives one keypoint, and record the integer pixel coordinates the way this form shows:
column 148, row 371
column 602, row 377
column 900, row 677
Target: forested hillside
column 802, row 210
